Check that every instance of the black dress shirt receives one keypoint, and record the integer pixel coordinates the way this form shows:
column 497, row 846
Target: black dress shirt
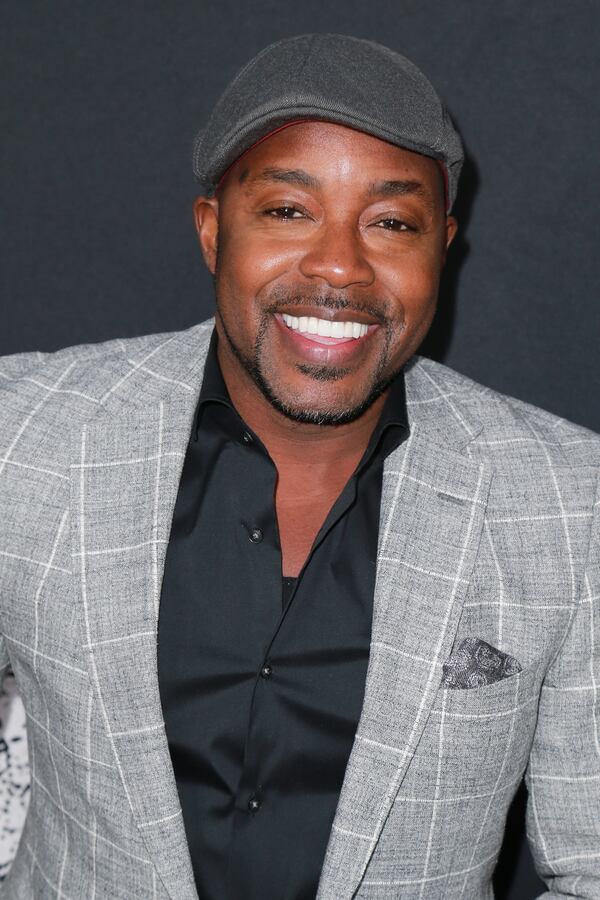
column 262, row 678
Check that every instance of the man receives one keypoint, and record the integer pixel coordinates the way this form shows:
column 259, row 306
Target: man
column 292, row 610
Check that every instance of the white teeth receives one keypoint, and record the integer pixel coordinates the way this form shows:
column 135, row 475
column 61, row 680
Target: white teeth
column 325, row 327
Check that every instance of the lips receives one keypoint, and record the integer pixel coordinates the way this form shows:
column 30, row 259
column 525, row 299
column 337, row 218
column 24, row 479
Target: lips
column 320, row 340
column 325, row 331
column 315, row 326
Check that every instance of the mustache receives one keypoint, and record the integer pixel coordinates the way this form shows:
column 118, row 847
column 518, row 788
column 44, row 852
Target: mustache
column 374, row 308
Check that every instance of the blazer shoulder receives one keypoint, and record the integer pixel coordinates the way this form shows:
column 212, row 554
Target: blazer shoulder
column 17, row 365
column 505, row 428
column 79, row 376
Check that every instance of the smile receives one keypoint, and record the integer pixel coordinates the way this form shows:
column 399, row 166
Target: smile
column 315, row 340
column 312, row 325
column 324, row 331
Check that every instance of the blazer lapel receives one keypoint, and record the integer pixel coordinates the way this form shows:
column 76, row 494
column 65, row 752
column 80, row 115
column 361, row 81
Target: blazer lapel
column 125, row 477
column 432, row 510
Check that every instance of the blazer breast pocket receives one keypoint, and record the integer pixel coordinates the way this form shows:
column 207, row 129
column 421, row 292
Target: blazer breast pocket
column 481, row 681
column 501, row 699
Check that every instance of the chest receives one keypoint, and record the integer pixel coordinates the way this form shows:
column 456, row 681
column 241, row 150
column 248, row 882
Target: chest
column 299, row 521
column 303, row 501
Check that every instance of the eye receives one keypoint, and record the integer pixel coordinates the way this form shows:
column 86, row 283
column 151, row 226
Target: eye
column 284, row 212
column 394, row 225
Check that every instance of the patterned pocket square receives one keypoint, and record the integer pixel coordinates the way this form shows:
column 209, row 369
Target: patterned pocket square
column 475, row 663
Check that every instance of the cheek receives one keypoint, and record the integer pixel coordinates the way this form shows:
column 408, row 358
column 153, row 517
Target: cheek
column 253, row 263
column 414, row 287
column 246, row 269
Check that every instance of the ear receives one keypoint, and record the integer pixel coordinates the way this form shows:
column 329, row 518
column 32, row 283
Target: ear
column 451, row 229
column 206, row 219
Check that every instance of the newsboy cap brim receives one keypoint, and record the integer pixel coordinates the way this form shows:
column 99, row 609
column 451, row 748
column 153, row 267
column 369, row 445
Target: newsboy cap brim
column 329, row 78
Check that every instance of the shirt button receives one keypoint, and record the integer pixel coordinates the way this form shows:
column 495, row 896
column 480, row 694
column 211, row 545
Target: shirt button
column 256, row 535
column 254, row 804
column 267, row 670
column 247, row 438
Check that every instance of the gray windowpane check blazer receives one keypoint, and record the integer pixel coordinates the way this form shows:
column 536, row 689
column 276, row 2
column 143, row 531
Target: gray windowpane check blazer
column 485, row 652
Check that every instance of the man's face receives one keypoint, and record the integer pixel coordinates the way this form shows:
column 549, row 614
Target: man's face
column 323, row 228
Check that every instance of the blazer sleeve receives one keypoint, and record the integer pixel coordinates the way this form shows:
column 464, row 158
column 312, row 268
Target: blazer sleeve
column 563, row 773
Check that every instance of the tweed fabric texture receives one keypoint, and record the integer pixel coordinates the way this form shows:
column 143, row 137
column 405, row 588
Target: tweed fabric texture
column 334, row 78
column 489, row 531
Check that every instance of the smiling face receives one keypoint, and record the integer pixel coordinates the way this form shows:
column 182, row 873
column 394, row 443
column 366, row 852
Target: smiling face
column 326, row 245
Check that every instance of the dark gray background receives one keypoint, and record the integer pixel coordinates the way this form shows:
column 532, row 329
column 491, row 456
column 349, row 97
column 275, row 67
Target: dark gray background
column 102, row 100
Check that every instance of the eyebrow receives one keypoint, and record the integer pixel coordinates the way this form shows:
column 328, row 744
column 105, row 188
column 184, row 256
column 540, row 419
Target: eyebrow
column 288, row 176
column 394, row 188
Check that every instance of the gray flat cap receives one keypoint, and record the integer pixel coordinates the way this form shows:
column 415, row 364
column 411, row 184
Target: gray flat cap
column 333, row 78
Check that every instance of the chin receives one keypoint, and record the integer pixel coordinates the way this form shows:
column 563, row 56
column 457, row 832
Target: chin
column 322, row 411
column 316, row 416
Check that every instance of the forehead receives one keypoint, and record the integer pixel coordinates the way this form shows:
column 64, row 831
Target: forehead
column 331, row 153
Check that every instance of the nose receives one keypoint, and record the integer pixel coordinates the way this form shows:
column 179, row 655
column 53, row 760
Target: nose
column 336, row 255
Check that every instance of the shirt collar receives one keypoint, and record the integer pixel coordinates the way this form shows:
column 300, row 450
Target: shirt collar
column 392, row 425
column 214, row 389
